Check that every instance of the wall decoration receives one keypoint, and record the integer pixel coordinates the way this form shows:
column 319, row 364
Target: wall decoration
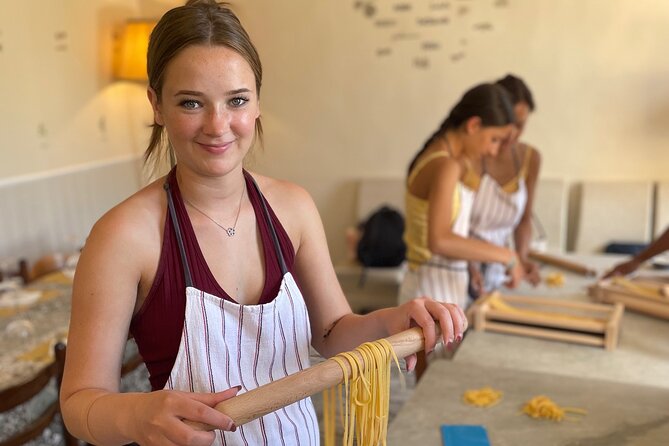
column 385, row 23
column 483, row 26
column 431, row 46
column 60, row 40
column 439, row 5
column 405, row 36
column 455, row 57
column 421, row 62
column 402, row 7
column 427, row 22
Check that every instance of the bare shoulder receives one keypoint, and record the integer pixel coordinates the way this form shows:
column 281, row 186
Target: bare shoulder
column 136, row 221
column 283, row 196
column 292, row 204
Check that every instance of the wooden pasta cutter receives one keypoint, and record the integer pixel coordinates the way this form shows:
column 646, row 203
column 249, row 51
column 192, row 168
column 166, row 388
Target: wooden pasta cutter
column 643, row 295
column 595, row 324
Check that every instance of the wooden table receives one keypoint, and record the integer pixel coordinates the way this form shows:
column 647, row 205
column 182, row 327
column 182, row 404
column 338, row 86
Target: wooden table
column 620, row 383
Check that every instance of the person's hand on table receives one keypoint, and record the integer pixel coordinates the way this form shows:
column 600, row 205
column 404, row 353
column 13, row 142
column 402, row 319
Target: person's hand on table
column 531, row 270
column 515, row 273
column 475, row 279
column 159, row 418
column 623, row 269
column 427, row 313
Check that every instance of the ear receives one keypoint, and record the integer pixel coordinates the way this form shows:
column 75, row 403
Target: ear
column 473, row 125
column 155, row 105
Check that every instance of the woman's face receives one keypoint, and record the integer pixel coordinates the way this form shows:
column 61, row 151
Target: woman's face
column 485, row 140
column 522, row 112
column 208, row 106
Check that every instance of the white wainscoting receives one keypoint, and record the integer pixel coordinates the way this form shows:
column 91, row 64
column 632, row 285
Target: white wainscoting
column 54, row 211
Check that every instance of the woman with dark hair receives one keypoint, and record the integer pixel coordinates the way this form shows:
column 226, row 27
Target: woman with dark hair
column 502, row 209
column 202, row 266
column 439, row 197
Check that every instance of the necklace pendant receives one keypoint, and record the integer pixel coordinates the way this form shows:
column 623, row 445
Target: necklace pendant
column 230, row 231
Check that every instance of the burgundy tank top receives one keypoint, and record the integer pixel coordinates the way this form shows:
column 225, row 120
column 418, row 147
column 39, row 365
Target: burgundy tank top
column 158, row 324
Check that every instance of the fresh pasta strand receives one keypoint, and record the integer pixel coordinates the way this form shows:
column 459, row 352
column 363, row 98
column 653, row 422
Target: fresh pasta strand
column 483, row 397
column 364, row 398
column 496, row 302
column 543, row 407
column 650, row 291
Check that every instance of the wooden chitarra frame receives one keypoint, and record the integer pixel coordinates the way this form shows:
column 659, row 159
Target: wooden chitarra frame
column 608, row 291
column 601, row 329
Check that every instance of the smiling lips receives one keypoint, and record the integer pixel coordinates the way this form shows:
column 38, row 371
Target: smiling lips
column 216, row 148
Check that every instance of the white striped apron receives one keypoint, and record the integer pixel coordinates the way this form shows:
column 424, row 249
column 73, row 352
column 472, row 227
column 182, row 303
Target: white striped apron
column 441, row 278
column 495, row 215
column 225, row 344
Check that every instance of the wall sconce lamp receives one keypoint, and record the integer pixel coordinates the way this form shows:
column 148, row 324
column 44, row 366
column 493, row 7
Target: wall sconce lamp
column 130, row 55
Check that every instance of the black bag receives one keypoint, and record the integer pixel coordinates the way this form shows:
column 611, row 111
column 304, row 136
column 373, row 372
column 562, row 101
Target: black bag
column 382, row 243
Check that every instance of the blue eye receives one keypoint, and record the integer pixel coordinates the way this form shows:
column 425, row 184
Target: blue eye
column 238, row 101
column 190, row 104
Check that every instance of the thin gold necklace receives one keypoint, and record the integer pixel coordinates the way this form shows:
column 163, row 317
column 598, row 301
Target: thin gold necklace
column 230, row 231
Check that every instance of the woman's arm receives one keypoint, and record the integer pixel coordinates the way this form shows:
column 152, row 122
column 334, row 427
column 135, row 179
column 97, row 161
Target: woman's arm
column 523, row 232
column 658, row 246
column 334, row 327
column 441, row 238
column 104, row 297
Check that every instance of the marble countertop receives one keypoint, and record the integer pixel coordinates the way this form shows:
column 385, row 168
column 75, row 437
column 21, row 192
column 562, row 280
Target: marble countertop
column 626, row 391
column 617, row 414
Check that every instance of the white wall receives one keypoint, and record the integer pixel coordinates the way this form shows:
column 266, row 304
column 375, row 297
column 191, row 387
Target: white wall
column 333, row 109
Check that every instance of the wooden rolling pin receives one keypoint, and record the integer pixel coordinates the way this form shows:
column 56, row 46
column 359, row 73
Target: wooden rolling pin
column 562, row 263
column 280, row 393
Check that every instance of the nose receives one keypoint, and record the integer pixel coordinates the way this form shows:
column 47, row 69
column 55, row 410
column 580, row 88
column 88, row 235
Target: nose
column 217, row 122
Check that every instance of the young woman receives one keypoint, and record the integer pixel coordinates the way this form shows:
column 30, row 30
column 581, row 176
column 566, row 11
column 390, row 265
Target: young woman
column 202, row 265
column 440, row 194
column 502, row 209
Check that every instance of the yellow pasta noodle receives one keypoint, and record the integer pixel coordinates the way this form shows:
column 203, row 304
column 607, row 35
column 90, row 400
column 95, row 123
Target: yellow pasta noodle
column 651, row 291
column 543, row 407
column 555, row 279
column 499, row 304
column 483, row 397
column 364, row 398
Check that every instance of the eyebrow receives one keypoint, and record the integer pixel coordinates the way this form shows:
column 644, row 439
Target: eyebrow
column 197, row 93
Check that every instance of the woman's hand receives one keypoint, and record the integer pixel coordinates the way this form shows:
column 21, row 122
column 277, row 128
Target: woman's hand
column 425, row 313
column 159, row 417
column 623, row 269
column 531, row 270
column 475, row 279
column 515, row 272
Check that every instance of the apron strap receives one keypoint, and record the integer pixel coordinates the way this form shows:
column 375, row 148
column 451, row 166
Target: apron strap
column 177, row 230
column 268, row 219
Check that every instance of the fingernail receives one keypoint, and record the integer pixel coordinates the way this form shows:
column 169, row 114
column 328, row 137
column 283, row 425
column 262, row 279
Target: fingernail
column 233, row 427
column 238, row 388
column 458, row 338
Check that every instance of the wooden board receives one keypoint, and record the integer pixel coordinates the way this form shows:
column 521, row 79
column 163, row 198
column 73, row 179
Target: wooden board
column 586, row 323
column 612, row 291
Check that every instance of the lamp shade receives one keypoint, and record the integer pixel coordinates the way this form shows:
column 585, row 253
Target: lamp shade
column 130, row 57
